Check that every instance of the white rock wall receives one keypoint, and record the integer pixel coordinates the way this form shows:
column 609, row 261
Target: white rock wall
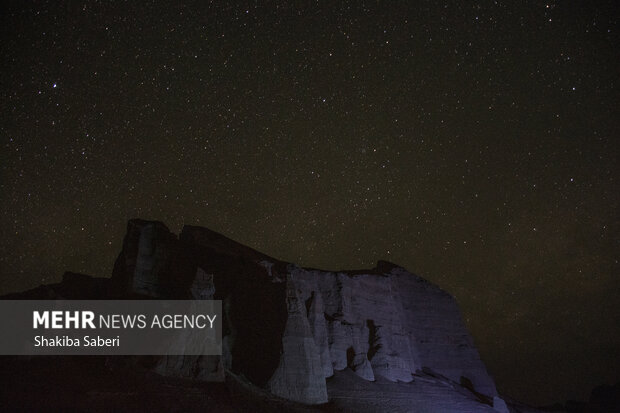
column 389, row 325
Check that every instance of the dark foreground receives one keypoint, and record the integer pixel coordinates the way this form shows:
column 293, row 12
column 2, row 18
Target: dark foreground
column 100, row 384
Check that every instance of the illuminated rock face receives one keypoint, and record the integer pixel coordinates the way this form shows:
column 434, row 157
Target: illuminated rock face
column 387, row 322
column 288, row 329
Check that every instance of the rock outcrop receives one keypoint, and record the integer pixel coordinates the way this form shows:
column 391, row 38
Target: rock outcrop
column 372, row 340
column 290, row 329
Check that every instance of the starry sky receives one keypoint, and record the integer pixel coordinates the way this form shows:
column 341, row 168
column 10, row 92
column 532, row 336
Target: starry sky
column 476, row 145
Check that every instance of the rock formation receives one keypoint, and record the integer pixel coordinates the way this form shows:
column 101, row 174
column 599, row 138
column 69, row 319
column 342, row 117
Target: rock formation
column 291, row 330
column 373, row 340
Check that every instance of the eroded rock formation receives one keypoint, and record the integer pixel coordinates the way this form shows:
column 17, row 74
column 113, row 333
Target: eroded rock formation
column 373, row 340
column 296, row 331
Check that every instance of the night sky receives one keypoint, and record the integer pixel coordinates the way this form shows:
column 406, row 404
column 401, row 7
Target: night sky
column 476, row 146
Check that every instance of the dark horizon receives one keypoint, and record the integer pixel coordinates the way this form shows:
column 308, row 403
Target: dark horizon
column 475, row 145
